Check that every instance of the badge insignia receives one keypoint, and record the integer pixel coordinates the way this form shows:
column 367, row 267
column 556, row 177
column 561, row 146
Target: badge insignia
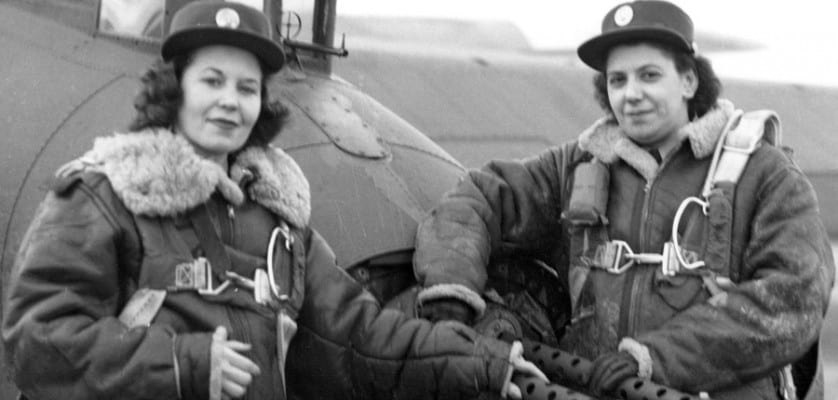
column 227, row 18
column 623, row 15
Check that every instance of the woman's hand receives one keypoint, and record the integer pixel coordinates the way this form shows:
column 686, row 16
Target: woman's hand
column 610, row 370
column 237, row 371
column 523, row 367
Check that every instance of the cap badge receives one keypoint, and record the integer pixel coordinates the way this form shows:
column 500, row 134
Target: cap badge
column 227, row 18
column 623, row 15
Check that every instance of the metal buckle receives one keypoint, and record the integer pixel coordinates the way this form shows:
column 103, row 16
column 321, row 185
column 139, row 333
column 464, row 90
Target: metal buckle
column 259, row 284
column 614, row 251
column 669, row 262
column 197, row 275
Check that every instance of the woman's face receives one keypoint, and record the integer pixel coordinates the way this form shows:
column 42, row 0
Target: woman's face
column 647, row 93
column 221, row 99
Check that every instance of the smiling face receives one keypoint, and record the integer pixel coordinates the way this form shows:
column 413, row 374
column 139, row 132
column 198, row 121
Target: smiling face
column 221, row 100
column 647, row 93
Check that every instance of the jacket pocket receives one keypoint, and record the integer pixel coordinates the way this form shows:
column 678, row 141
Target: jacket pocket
column 679, row 291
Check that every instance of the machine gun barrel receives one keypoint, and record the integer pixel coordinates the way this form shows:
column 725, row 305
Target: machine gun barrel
column 576, row 371
column 536, row 389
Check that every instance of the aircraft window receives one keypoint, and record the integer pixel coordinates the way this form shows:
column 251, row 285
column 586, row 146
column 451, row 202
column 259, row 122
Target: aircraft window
column 257, row 4
column 140, row 18
column 297, row 20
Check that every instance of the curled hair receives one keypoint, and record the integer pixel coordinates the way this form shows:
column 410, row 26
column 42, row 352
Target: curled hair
column 705, row 97
column 161, row 97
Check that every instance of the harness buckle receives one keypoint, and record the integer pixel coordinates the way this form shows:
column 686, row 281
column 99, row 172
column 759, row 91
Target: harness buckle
column 259, row 284
column 197, row 275
column 614, row 252
column 670, row 266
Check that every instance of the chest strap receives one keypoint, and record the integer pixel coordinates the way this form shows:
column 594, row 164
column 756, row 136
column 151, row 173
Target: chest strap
column 740, row 138
column 217, row 260
column 198, row 273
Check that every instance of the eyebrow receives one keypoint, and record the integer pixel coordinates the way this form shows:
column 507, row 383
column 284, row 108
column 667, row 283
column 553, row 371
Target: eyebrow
column 640, row 68
column 220, row 72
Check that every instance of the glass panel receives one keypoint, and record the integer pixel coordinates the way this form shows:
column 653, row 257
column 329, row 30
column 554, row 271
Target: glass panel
column 297, row 20
column 139, row 18
column 257, row 4
column 142, row 18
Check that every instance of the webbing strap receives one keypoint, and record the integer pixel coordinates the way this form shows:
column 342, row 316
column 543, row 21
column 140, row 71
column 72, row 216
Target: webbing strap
column 741, row 137
column 209, row 241
column 142, row 307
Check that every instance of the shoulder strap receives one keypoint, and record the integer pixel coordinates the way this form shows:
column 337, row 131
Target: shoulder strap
column 210, row 242
column 742, row 135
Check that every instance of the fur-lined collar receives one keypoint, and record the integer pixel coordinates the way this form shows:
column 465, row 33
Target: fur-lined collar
column 608, row 143
column 157, row 173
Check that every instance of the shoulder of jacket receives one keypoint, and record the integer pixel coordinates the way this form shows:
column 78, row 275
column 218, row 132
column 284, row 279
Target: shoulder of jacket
column 572, row 154
column 774, row 156
column 97, row 189
column 63, row 185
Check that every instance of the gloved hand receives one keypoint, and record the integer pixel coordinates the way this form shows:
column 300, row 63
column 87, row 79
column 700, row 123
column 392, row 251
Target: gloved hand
column 609, row 370
column 520, row 366
column 447, row 309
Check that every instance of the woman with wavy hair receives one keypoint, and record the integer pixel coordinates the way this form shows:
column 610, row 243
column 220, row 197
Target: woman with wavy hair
column 176, row 261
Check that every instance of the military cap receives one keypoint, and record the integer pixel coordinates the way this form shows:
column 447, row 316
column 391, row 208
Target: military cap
column 204, row 23
column 654, row 20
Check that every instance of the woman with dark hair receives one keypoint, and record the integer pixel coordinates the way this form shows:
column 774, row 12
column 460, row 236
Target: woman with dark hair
column 176, row 262
column 691, row 247
column 706, row 93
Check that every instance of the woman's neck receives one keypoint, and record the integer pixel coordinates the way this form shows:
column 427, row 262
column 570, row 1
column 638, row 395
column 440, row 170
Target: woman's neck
column 220, row 159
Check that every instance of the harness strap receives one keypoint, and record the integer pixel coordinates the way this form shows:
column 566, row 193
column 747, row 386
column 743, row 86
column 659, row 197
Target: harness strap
column 740, row 138
column 142, row 307
column 209, row 241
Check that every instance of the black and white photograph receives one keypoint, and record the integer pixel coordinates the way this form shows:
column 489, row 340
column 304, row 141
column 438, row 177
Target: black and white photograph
column 394, row 199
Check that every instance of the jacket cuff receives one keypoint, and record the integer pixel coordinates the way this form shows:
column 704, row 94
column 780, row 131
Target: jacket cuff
column 640, row 353
column 456, row 291
column 193, row 361
column 517, row 351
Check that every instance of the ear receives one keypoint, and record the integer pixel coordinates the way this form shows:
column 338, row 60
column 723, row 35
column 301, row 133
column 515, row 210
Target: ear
column 689, row 84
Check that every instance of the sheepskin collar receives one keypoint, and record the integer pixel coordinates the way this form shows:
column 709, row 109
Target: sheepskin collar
column 157, row 173
column 608, row 143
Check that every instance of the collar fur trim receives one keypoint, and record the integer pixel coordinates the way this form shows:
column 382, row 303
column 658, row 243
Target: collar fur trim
column 608, row 143
column 158, row 173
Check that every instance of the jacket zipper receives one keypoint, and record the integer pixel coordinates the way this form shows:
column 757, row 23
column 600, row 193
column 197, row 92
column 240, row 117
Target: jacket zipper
column 628, row 321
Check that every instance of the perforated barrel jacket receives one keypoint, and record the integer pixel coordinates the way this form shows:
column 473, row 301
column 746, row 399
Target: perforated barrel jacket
column 119, row 226
column 727, row 344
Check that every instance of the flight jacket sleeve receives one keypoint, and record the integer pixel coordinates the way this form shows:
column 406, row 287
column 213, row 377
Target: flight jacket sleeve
column 346, row 338
column 60, row 330
column 503, row 207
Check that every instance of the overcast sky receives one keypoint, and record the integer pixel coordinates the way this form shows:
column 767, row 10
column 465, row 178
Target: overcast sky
column 800, row 36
